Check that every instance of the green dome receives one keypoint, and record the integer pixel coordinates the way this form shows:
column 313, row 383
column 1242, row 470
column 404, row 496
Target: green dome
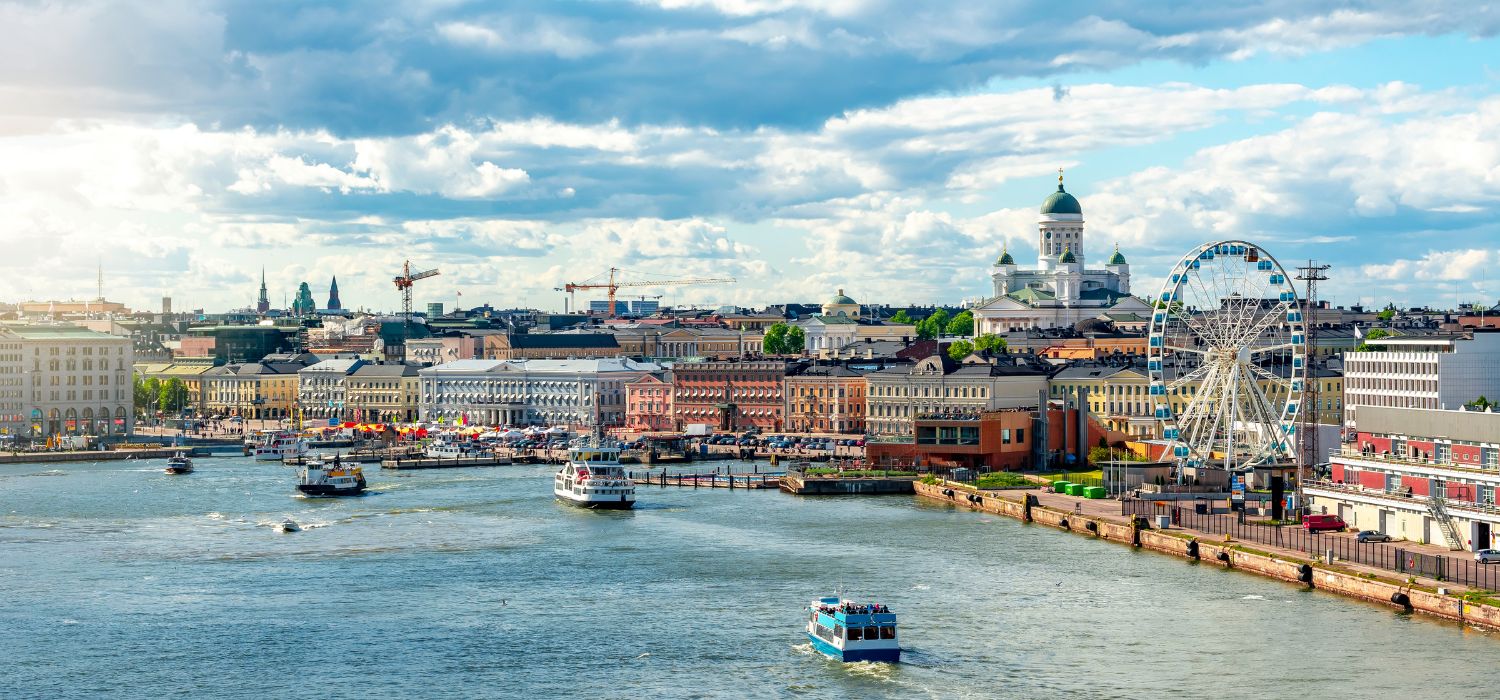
column 1117, row 258
column 1067, row 256
column 839, row 299
column 1005, row 258
column 1060, row 202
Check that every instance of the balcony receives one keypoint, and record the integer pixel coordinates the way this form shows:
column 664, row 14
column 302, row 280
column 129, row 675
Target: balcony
column 1352, row 453
column 1399, row 496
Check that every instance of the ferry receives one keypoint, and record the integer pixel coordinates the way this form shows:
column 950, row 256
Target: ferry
column 446, row 447
column 593, row 477
column 850, row 631
column 179, row 464
column 278, row 446
column 319, row 477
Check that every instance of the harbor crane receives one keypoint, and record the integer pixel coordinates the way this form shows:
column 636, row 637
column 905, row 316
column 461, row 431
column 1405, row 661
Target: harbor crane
column 404, row 282
column 613, row 286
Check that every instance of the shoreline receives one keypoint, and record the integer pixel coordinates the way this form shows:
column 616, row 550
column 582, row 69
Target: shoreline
column 1420, row 597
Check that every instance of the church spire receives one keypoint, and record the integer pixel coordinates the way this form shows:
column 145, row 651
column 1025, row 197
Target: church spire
column 333, row 295
column 262, row 302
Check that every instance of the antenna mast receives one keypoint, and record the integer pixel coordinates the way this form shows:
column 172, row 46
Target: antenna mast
column 1307, row 419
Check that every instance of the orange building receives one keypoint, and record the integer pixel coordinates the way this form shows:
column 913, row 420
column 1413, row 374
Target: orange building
column 996, row 440
column 825, row 399
column 648, row 405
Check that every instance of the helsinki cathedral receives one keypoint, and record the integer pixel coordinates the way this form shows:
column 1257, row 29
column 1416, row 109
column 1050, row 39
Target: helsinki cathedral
column 1061, row 290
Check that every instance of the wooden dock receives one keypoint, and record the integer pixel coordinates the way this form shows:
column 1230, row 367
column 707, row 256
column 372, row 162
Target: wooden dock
column 444, row 462
column 710, row 481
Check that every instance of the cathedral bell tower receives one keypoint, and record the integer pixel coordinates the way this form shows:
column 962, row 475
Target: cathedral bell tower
column 1060, row 227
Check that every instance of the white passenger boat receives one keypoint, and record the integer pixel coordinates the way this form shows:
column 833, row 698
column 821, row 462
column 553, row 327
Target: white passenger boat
column 279, row 446
column 179, row 464
column 454, row 447
column 593, row 477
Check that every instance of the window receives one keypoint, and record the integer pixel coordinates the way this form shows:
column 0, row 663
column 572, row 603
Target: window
column 887, row 631
column 855, row 634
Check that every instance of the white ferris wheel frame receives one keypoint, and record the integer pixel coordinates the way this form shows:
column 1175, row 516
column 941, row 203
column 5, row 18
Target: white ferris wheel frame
column 1229, row 421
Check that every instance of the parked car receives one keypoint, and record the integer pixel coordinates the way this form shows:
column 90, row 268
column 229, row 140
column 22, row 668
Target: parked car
column 1487, row 556
column 1321, row 523
column 1372, row 536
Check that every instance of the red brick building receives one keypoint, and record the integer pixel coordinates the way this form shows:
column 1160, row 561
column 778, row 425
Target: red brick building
column 997, row 440
column 729, row 396
column 648, row 405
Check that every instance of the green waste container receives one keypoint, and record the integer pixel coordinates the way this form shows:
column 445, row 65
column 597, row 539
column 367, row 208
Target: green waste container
column 1076, row 489
column 1094, row 492
column 1060, row 486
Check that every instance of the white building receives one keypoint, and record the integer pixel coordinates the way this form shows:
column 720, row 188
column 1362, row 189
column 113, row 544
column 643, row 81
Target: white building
column 1424, row 475
column 529, row 392
column 1061, row 290
column 64, row 380
column 1442, row 371
column 320, row 388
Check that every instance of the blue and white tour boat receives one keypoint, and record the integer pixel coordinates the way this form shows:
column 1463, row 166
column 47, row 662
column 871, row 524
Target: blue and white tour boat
column 851, row 631
column 593, row 477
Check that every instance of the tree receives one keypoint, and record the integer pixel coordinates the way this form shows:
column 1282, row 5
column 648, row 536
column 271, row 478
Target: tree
column 1386, row 315
column 1372, row 334
column 1481, row 403
column 990, row 342
column 143, row 396
column 962, row 324
column 959, row 349
column 796, row 340
column 933, row 326
column 774, row 342
column 173, row 396
column 151, row 394
column 903, row 318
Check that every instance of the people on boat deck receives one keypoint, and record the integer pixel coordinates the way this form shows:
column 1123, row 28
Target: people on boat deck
column 855, row 609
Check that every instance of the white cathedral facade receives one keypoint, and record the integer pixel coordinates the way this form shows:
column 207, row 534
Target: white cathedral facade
column 1061, row 290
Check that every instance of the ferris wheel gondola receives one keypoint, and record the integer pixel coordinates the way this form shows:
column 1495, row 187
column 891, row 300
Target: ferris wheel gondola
column 1226, row 357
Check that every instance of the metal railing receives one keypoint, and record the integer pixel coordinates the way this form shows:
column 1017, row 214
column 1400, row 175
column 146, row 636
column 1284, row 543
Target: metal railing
column 1395, row 558
column 1402, row 495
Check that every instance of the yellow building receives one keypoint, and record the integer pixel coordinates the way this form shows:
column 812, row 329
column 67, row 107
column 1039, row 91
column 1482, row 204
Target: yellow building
column 382, row 393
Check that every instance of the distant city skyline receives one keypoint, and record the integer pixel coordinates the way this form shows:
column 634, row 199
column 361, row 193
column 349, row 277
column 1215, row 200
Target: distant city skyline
column 518, row 148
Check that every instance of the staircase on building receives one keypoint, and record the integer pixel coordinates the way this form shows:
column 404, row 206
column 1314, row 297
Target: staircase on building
column 1445, row 523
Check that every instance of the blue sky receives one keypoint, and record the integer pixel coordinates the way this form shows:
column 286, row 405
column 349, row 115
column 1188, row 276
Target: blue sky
column 799, row 147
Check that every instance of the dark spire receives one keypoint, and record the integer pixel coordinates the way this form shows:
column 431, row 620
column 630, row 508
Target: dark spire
column 263, row 302
column 333, row 295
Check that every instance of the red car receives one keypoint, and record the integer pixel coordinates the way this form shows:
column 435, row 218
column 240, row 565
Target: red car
column 1320, row 523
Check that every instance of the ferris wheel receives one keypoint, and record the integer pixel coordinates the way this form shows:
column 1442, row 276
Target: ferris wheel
column 1226, row 357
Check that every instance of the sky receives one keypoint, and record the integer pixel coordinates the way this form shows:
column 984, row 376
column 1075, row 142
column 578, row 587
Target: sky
column 890, row 149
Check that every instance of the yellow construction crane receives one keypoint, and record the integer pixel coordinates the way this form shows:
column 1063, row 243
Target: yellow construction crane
column 614, row 285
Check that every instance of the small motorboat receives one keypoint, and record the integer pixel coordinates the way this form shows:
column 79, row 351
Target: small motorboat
column 288, row 525
column 179, row 464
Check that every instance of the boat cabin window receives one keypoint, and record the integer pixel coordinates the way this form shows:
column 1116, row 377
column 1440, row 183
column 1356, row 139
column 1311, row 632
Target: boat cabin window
column 887, row 631
column 872, row 633
column 838, row 630
column 854, row 634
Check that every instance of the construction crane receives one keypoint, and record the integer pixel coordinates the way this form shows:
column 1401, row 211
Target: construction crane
column 614, row 285
column 403, row 283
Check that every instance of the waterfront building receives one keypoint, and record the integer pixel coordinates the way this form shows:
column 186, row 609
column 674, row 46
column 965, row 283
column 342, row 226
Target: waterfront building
column 729, row 395
column 1116, row 391
column 1006, row 439
column 825, row 399
column 1061, row 290
column 669, row 343
column 1421, row 474
column 529, row 392
column 253, row 390
column 1433, row 370
column 321, row 391
column 549, row 346
column 648, row 404
column 382, row 392
column 189, row 371
column 938, row 386
column 63, row 379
